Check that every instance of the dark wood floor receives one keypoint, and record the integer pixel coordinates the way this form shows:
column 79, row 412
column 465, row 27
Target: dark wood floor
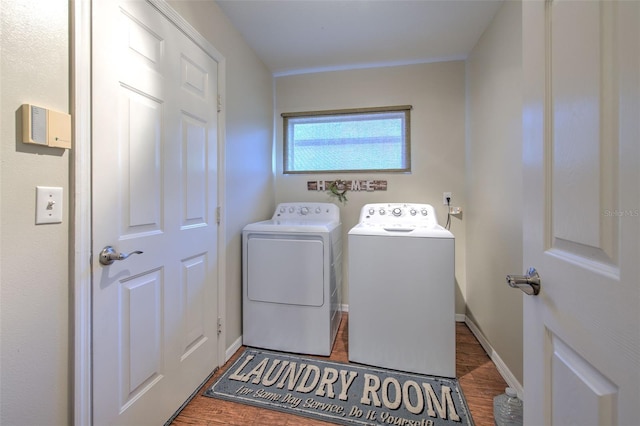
column 478, row 377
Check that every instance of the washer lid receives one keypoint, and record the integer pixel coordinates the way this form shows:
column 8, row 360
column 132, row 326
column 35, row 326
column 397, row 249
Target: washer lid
column 399, row 220
column 400, row 230
column 405, row 214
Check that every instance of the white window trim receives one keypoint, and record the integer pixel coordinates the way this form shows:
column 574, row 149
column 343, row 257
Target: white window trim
column 352, row 111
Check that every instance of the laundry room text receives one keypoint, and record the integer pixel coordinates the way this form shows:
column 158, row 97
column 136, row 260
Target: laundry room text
column 340, row 390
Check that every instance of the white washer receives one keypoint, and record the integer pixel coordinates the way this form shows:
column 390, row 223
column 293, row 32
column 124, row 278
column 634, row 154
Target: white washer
column 402, row 290
column 292, row 279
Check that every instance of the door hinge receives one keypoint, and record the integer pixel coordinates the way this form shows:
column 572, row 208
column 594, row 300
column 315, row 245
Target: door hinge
column 218, row 215
column 219, row 325
column 219, row 103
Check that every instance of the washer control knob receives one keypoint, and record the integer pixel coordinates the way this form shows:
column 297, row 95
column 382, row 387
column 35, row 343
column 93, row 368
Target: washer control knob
column 318, row 210
column 282, row 209
column 292, row 209
column 382, row 212
column 424, row 212
column 372, row 211
column 304, row 211
column 396, row 211
column 413, row 212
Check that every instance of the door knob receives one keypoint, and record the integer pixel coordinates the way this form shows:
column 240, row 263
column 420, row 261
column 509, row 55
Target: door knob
column 108, row 255
column 530, row 283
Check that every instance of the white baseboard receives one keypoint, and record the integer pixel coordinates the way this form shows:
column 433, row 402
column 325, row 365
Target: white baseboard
column 233, row 349
column 504, row 371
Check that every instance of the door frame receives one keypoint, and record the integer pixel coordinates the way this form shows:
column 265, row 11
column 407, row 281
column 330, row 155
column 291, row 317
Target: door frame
column 80, row 255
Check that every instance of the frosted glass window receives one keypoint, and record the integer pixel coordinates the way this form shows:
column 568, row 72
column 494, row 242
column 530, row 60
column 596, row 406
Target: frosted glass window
column 372, row 139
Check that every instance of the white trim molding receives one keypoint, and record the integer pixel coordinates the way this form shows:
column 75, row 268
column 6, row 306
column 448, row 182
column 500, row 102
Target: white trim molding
column 80, row 254
column 504, row 371
column 233, row 349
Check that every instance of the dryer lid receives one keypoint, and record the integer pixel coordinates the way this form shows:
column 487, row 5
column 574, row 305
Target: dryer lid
column 292, row 226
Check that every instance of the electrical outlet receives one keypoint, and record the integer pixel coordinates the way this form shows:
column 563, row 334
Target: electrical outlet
column 446, row 195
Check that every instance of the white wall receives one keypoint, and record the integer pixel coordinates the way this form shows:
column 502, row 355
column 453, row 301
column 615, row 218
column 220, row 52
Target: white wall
column 34, row 279
column 437, row 93
column 494, row 185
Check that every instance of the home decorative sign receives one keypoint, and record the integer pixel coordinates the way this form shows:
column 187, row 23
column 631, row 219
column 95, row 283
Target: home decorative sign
column 350, row 185
column 338, row 188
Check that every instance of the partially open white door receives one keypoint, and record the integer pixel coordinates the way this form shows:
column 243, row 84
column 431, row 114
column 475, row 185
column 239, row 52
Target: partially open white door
column 581, row 156
column 154, row 171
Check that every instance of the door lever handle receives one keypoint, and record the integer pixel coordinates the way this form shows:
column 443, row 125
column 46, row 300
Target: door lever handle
column 530, row 283
column 108, row 255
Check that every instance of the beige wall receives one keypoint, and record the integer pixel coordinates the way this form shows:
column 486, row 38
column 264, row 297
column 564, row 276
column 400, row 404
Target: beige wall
column 34, row 277
column 36, row 358
column 35, row 352
column 494, row 185
column 249, row 141
column 437, row 93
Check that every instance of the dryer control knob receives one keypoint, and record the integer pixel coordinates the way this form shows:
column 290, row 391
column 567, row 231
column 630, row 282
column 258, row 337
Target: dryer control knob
column 292, row 209
column 424, row 212
column 304, row 211
column 372, row 211
column 318, row 210
column 396, row 211
column 282, row 210
column 382, row 212
column 413, row 212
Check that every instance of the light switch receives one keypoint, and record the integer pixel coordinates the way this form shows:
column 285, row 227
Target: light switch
column 48, row 204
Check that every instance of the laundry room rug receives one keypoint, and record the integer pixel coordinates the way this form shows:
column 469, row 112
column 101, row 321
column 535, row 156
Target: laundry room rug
column 345, row 394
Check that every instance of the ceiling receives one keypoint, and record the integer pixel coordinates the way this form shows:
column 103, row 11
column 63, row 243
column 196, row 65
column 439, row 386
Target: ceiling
column 301, row 36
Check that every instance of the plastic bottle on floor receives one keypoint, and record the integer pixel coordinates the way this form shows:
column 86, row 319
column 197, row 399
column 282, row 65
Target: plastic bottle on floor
column 507, row 409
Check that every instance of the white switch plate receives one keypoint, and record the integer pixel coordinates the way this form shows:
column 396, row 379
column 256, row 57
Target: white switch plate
column 48, row 204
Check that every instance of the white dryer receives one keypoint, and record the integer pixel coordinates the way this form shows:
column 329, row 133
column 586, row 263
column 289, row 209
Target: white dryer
column 292, row 279
column 402, row 290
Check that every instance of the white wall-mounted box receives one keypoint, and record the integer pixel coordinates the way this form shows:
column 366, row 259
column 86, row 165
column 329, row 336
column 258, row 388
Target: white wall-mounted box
column 45, row 127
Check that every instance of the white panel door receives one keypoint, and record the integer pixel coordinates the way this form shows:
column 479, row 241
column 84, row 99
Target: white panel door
column 154, row 108
column 581, row 159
